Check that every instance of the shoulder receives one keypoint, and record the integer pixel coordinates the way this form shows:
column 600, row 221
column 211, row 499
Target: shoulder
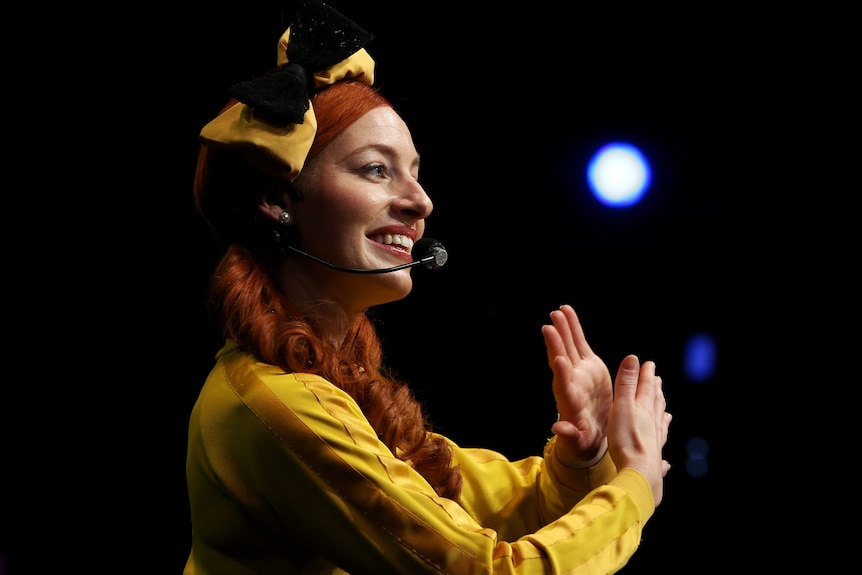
column 242, row 392
column 256, row 382
column 276, row 397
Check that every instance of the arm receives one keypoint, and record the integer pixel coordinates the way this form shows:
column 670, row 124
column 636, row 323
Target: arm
column 289, row 461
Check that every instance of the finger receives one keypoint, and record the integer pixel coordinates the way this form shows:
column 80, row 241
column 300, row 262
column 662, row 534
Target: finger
column 666, row 419
column 563, row 372
column 626, row 383
column 647, row 389
column 660, row 407
column 573, row 330
column 660, row 402
column 553, row 343
column 565, row 428
column 580, row 339
column 561, row 322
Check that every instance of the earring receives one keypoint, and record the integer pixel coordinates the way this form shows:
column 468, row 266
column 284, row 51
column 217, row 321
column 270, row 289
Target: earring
column 285, row 218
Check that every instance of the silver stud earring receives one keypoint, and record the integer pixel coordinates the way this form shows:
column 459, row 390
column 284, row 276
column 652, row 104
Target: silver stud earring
column 285, row 218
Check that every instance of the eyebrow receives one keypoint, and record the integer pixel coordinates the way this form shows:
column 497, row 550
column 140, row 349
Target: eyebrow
column 387, row 150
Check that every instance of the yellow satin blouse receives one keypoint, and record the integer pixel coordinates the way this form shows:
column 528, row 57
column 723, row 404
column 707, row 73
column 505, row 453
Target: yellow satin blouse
column 285, row 475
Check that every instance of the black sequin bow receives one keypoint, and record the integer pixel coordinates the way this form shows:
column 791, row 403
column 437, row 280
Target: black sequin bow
column 320, row 37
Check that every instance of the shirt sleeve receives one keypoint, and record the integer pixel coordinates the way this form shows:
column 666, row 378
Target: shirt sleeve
column 285, row 468
column 516, row 498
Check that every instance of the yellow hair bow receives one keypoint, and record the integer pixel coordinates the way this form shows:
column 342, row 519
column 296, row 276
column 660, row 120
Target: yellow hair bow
column 273, row 124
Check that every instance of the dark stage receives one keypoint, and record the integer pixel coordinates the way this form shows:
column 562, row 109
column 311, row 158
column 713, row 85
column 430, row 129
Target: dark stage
column 506, row 105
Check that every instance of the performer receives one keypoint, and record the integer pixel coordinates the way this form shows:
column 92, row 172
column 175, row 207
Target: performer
column 306, row 454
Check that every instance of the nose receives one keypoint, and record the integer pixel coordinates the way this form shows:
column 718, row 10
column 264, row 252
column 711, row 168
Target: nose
column 414, row 201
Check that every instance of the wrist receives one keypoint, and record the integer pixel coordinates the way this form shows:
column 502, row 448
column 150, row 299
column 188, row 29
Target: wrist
column 582, row 460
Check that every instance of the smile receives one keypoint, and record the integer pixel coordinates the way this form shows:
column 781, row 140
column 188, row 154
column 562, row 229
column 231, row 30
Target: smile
column 394, row 240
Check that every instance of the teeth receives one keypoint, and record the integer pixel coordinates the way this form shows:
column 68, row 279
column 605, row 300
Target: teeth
column 394, row 239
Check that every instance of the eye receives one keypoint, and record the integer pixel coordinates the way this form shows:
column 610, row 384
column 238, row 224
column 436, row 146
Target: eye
column 376, row 170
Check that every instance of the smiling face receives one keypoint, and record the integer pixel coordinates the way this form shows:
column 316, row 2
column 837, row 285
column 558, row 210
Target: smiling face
column 362, row 207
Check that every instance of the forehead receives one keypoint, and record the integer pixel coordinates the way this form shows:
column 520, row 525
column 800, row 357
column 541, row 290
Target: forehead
column 382, row 126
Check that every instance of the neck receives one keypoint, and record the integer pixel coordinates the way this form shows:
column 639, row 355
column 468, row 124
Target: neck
column 314, row 297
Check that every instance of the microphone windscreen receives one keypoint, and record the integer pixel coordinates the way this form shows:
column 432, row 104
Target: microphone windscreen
column 430, row 247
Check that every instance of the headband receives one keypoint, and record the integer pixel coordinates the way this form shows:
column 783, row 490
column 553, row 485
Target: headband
column 273, row 124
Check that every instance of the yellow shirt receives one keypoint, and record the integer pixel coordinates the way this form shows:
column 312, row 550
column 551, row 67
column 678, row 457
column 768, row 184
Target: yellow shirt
column 285, row 475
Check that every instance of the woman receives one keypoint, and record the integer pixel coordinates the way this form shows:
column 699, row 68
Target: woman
column 306, row 455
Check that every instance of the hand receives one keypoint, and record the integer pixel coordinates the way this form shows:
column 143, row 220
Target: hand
column 638, row 423
column 582, row 389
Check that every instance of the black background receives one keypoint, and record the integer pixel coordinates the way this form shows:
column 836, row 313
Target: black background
column 506, row 105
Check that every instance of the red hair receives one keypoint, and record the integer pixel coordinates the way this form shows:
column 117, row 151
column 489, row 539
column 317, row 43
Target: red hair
column 340, row 105
column 251, row 311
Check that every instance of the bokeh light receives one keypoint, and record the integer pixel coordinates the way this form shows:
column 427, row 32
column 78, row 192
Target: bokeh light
column 699, row 357
column 619, row 174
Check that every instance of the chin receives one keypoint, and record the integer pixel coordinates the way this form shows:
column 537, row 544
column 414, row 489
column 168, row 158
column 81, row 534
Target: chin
column 399, row 287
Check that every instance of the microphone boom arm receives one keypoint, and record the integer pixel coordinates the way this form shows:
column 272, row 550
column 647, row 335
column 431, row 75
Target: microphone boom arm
column 434, row 259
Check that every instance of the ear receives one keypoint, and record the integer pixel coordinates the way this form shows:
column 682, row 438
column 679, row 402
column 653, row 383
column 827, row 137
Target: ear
column 273, row 203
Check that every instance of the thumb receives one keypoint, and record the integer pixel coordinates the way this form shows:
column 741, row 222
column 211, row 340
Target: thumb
column 627, row 377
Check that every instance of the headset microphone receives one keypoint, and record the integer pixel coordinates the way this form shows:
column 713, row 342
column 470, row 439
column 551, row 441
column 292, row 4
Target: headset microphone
column 428, row 252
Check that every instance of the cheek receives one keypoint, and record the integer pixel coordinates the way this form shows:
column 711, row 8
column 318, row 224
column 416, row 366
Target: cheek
column 354, row 206
column 332, row 218
column 335, row 200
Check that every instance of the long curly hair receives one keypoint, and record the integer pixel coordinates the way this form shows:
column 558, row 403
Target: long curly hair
column 249, row 309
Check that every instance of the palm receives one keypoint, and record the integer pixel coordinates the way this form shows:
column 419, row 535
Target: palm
column 581, row 384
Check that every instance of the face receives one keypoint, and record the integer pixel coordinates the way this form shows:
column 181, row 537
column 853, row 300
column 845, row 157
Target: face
column 362, row 207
